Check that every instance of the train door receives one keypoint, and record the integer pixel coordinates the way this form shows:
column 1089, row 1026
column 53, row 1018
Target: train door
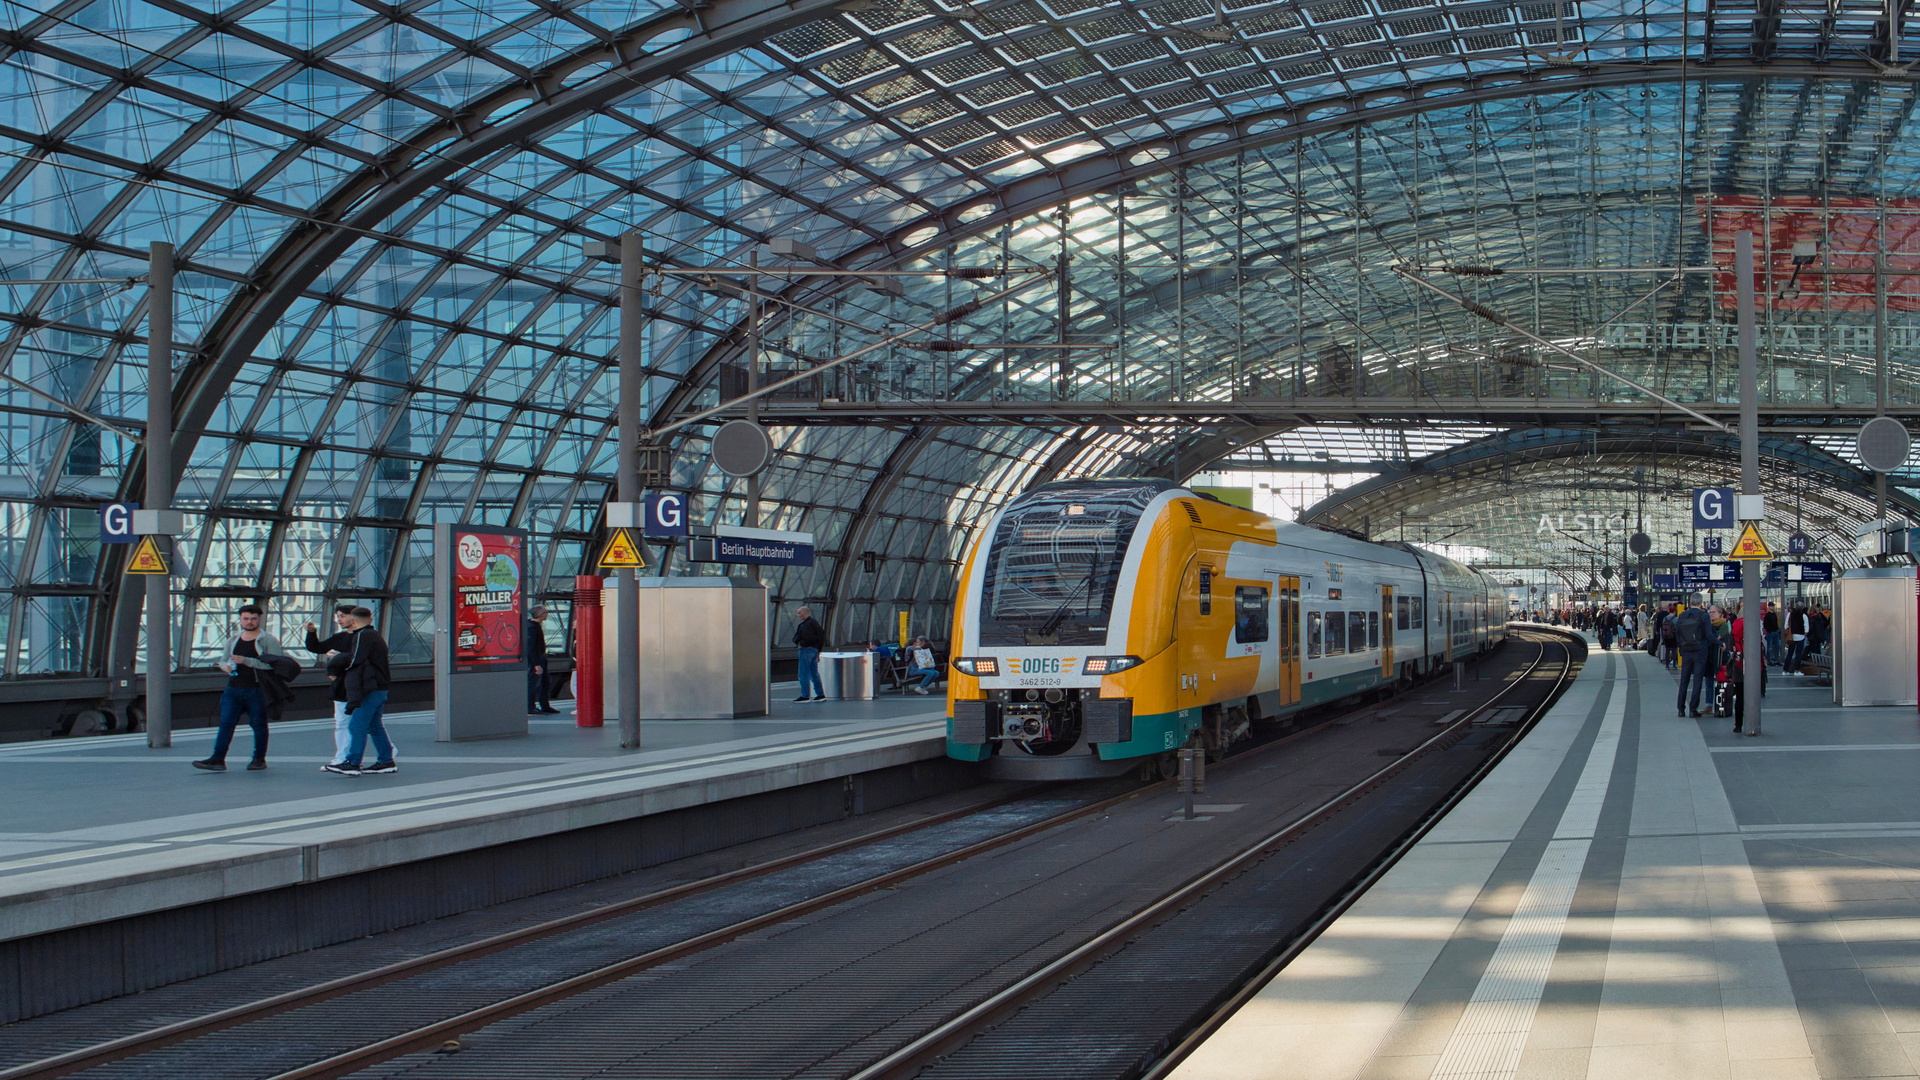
column 1446, row 624
column 1386, row 631
column 1288, row 590
column 1194, row 623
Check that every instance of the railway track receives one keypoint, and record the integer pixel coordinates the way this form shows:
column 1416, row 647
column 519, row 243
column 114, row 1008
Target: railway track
column 434, row 1002
column 913, row 1058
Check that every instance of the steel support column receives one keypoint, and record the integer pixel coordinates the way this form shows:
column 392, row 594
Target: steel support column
column 160, row 490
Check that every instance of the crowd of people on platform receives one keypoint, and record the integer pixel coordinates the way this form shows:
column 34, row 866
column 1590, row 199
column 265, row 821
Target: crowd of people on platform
column 1704, row 644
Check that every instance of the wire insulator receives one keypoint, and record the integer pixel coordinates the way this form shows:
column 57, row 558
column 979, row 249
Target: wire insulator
column 1474, row 271
column 942, row 345
column 960, row 312
column 1486, row 313
column 974, row 273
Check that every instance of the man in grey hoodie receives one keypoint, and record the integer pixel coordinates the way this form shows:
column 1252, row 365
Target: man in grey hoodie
column 246, row 657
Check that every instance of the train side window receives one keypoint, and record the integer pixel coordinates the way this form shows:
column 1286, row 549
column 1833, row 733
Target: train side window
column 1206, row 590
column 1336, row 633
column 1419, row 609
column 1313, row 634
column 1373, row 629
column 1249, row 614
column 1357, row 630
column 1403, row 612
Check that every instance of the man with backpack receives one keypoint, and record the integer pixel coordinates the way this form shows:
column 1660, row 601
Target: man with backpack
column 1669, row 649
column 1693, row 640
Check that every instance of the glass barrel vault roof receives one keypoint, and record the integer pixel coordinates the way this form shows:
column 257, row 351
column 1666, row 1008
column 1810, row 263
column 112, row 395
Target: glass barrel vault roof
column 384, row 318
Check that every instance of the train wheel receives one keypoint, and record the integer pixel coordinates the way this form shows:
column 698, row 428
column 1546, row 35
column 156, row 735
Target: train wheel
column 1169, row 765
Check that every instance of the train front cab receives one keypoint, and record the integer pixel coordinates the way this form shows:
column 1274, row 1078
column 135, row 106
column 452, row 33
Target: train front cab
column 1197, row 639
column 1058, row 665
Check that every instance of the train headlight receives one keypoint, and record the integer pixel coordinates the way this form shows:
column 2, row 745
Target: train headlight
column 977, row 665
column 1110, row 665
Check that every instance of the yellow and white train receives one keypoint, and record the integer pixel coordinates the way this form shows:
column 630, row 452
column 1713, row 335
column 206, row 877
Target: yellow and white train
column 1106, row 623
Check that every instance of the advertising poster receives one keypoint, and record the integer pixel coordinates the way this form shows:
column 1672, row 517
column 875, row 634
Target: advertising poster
column 489, row 601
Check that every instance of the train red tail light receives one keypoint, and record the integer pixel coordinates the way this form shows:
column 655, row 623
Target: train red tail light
column 977, row 665
column 1109, row 665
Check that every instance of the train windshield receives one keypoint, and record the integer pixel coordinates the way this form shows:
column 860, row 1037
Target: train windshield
column 1055, row 563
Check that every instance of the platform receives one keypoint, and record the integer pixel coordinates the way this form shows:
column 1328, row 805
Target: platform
column 1630, row 894
column 103, row 828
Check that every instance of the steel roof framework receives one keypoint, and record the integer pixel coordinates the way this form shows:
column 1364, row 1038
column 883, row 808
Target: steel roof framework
column 386, row 320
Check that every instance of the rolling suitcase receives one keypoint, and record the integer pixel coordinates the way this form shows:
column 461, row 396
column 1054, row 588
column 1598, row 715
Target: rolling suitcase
column 1723, row 699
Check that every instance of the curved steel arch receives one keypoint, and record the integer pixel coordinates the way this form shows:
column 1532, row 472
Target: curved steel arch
column 1427, row 479
column 1037, row 195
column 461, row 141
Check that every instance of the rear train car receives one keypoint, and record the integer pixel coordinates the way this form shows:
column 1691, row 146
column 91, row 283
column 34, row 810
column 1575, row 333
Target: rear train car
column 1106, row 623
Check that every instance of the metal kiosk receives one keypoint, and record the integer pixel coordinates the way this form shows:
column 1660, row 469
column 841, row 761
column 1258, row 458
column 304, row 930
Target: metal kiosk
column 703, row 648
column 1876, row 631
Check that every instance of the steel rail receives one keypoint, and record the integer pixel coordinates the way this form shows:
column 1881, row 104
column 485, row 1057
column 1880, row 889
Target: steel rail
column 955, row 1032
column 1192, row 1040
column 193, row 1027
column 434, row 1035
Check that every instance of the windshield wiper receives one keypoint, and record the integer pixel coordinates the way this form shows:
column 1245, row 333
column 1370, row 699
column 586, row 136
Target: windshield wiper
column 1066, row 606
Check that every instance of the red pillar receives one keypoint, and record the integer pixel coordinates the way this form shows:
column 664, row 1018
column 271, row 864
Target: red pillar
column 589, row 701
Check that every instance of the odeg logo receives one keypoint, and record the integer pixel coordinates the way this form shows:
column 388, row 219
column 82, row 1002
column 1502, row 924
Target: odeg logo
column 1035, row 665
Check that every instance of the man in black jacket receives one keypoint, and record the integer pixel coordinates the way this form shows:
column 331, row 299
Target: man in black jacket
column 535, row 638
column 1694, row 640
column 365, row 681
column 334, row 651
column 811, row 638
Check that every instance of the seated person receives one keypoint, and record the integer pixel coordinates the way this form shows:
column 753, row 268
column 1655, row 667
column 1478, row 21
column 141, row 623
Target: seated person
column 920, row 656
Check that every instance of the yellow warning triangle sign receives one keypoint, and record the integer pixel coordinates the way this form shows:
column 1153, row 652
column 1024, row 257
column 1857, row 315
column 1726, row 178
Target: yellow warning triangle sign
column 147, row 558
column 622, row 552
column 1749, row 546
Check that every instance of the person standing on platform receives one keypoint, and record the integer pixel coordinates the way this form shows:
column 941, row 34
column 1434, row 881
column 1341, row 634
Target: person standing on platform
column 1669, row 646
column 811, row 637
column 536, row 639
column 1770, row 627
column 367, row 679
column 246, row 651
column 334, row 649
column 1694, row 641
column 1796, row 629
column 1737, row 642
